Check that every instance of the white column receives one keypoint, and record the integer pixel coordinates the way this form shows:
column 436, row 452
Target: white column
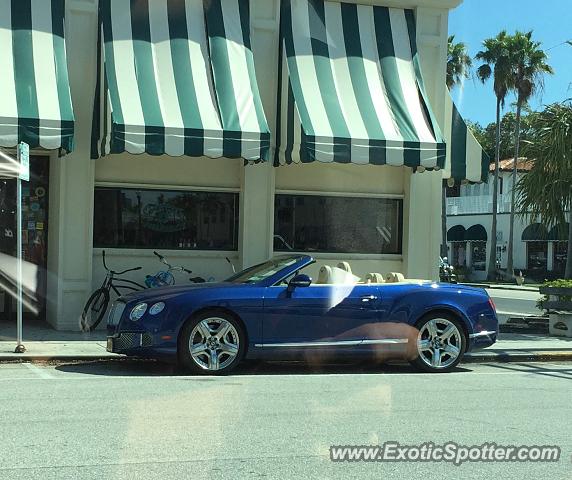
column 256, row 214
column 422, row 206
column 469, row 255
column 257, row 181
column 71, row 180
column 550, row 259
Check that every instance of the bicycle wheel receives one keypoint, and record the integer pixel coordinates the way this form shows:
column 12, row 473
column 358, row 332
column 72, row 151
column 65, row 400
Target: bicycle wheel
column 94, row 310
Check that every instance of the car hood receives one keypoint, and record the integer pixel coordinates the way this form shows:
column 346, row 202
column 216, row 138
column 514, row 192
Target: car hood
column 161, row 293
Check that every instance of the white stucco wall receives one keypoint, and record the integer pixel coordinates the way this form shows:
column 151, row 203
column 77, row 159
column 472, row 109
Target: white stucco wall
column 75, row 267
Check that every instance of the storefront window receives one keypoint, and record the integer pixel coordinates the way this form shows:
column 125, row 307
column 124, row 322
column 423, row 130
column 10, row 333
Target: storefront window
column 454, row 191
column 560, row 256
column 479, row 256
column 167, row 219
column 537, row 255
column 338, row 224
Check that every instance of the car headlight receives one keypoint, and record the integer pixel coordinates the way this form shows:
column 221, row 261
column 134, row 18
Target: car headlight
column 138, row 311
column 157, row 308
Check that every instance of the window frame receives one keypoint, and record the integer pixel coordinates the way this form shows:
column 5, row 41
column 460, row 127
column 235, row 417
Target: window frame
column 349, row 255
column 169, row 188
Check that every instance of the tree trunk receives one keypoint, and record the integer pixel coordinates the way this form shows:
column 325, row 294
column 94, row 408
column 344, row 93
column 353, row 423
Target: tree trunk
column 491, row 271
column 510, row 249
column 444, row 221
column 568, row 271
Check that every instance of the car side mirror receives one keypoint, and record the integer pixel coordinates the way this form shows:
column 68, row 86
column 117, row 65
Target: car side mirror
column 301, row 280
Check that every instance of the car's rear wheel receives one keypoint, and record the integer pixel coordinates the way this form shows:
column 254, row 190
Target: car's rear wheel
column 441, row 343
column 212, row 343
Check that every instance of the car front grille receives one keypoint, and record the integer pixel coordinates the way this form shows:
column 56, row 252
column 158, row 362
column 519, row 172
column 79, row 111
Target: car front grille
column 115, row 313
column 147, row 340
column 128, row 340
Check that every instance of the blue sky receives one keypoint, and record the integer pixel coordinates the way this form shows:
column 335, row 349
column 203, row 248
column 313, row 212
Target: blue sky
column 551, row 21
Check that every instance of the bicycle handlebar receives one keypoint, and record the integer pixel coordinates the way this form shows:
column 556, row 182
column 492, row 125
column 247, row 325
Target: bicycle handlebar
column 128, row 270
column 104, row 264
column 162, row 259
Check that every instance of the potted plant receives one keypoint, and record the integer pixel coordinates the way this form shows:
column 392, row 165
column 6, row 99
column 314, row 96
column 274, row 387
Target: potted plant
column 557, row 301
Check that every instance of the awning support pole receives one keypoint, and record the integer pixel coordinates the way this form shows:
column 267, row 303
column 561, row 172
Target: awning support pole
column 20, row 348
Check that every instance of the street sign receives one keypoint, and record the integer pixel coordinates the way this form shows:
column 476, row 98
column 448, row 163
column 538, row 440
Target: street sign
column 24, row 160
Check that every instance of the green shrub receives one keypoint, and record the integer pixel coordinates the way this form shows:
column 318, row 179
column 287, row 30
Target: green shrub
column 560, row 283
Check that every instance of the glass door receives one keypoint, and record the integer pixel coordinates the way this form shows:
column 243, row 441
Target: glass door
column 34, row 239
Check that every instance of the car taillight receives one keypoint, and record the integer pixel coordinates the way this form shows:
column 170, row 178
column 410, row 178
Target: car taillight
column 492, row 304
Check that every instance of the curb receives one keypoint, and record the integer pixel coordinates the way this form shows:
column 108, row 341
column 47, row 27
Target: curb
column 484, row 357
column 45, row 358
column 505, row 357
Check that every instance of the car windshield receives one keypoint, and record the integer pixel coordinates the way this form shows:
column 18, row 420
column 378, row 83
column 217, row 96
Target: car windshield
column 264, row 270
column 285, row 239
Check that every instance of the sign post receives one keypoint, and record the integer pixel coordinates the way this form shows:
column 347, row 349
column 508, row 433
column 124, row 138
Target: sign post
column 24, row 175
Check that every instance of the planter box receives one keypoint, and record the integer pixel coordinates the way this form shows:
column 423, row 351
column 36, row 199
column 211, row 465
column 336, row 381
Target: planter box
column 560, row 324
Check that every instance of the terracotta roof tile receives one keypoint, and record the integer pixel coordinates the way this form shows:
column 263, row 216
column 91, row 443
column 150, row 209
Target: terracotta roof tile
column 523, row 165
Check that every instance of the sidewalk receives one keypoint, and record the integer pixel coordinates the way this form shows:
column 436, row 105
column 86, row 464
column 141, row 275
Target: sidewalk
column 45, row 344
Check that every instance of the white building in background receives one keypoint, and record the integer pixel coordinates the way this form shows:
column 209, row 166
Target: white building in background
column 156, row 159
column 539, row 252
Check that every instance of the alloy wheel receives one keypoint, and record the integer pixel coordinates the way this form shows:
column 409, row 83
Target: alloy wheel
column 214, row 344
column 439, row 343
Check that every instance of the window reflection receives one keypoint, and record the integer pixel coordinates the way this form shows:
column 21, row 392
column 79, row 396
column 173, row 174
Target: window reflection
column 168, row 219
column 312, row 223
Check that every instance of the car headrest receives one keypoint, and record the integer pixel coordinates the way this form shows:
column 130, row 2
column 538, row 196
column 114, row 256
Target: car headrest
column 345, row 266
column 374, row 278
column 394, row 277
column 325, row 274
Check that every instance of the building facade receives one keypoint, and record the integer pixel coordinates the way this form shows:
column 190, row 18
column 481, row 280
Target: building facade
column 248, row 196
column 539, row 252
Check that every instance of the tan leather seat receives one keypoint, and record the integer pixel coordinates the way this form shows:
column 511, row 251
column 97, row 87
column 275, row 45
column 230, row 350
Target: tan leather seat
column 335, row 276
column 374, row 278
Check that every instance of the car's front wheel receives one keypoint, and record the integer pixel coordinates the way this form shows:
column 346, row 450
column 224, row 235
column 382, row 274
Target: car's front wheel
column 212, row 343
column 441, row 343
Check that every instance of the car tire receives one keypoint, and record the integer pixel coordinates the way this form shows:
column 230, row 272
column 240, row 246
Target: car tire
column 441, row 343
column 211, row 343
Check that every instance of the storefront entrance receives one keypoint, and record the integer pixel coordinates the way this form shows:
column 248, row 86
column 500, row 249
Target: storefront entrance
column 34, row 240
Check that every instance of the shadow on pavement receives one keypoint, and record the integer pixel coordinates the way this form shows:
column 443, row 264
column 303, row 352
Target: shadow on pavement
column 150, row 368
column 535, row 369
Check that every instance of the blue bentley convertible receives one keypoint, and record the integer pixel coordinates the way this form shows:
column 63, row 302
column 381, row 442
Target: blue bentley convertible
column 276, row 311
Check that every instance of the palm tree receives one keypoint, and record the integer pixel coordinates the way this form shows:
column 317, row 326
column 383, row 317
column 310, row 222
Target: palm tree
column 546, row 191
column 458, row 62
column 529, row 65
column 458, row 67
column 496, row 63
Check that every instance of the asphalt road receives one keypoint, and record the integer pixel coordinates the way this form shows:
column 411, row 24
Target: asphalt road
column 515, row 302
column 141, row 420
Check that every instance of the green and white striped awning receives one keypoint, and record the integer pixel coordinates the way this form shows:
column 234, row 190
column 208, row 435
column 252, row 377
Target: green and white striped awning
column 351, row 88
column 35, row 100
column 466, row 161
column 157, row 94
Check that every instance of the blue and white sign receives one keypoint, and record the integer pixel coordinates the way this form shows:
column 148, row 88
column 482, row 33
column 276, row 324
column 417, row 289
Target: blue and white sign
column 24, row 159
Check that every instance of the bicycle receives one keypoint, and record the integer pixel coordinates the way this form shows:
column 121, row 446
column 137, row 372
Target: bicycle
column 97, row 304
column 165, row 278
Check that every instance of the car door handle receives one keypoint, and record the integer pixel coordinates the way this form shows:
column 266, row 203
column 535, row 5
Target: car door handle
column 368, row 298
